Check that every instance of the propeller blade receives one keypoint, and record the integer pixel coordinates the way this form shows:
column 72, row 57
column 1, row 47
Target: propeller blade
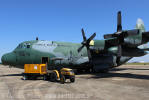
column 119, row 22
column 107, row 36
column 91, row 38
column 83, row 34
column 80, row 48
column 118, row 60
column 89, row 54
column 119, row 52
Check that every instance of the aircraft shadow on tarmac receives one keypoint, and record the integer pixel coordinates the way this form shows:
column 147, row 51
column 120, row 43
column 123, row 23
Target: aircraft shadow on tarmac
column 122, row 75
column 111, row 74
column 120, row 69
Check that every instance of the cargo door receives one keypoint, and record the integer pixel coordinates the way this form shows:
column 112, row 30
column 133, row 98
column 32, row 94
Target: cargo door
column 45, row 60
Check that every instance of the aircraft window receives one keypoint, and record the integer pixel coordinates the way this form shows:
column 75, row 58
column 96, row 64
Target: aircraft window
column 28, row 46
column 19, row 46
column 25, row 45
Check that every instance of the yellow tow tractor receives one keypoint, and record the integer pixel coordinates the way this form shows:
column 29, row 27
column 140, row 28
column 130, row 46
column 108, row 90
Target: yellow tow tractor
column 67, row 73
column 32, row 71
column 62, row 75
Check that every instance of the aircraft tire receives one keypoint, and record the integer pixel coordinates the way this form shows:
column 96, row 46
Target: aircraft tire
column 104, row 71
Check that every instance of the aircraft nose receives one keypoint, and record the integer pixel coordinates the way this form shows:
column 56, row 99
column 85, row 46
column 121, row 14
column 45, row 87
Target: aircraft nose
column 8, row 59
column 3, row 59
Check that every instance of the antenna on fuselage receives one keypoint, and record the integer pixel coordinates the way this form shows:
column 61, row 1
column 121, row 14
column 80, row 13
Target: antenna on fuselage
column 36, row 38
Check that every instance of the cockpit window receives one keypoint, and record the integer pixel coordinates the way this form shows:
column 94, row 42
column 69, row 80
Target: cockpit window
column 19, row 46
column 24, row 45
column 28, row 46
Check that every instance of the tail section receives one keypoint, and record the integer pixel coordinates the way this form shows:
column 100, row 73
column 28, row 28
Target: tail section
column 140, row 25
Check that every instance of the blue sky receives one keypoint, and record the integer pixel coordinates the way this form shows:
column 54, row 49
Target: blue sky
column 62, row 20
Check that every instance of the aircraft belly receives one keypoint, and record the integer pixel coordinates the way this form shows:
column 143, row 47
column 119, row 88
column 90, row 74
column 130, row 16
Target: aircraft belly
column 103, row 62
column 101, row 67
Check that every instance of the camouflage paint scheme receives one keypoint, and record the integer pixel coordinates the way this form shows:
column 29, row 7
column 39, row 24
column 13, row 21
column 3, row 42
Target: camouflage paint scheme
column 103, row 57
column 51, row 49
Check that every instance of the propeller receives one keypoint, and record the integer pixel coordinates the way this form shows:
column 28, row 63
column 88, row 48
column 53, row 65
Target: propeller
column 120, row 35
column 86, row 42
column 119, row 30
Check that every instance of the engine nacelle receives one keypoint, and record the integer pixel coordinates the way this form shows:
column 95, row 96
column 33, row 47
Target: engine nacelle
column 128, row 52
column 133, row 41
column 97, row 45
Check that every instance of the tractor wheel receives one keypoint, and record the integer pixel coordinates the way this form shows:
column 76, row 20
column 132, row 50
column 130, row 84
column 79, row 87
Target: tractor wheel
column 25, row 77
column 62, row 79
column 44, row 77
column 53, row 77
column 72, row 79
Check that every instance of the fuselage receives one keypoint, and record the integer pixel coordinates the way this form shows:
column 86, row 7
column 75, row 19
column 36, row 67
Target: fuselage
column 33, row 51
column 55, row 53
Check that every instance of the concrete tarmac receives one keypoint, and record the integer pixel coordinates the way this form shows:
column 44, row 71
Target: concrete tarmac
column 127, row 82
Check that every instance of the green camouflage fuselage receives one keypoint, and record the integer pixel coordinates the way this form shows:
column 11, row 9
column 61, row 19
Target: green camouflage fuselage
column 59, row 54
column 30, row 52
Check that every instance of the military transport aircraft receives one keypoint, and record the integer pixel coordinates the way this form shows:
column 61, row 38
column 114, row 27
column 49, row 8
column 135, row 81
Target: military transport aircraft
column 98, row 55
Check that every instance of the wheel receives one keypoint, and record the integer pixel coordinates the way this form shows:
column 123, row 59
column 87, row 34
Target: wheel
column 25, row 77
column 104, row 71
column 45, row 77
column 33, row 77
column 72, row 79
column 62, row 79
column 53, row 77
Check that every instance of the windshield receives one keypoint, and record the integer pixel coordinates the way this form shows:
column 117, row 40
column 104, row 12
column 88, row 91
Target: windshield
column 24, row 45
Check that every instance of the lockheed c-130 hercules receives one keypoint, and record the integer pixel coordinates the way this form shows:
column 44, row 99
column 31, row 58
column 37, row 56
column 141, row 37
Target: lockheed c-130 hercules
column 98, row 55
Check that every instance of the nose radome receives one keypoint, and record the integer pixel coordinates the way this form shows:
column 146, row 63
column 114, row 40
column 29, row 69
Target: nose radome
column 8, row 58
column 3, row 59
